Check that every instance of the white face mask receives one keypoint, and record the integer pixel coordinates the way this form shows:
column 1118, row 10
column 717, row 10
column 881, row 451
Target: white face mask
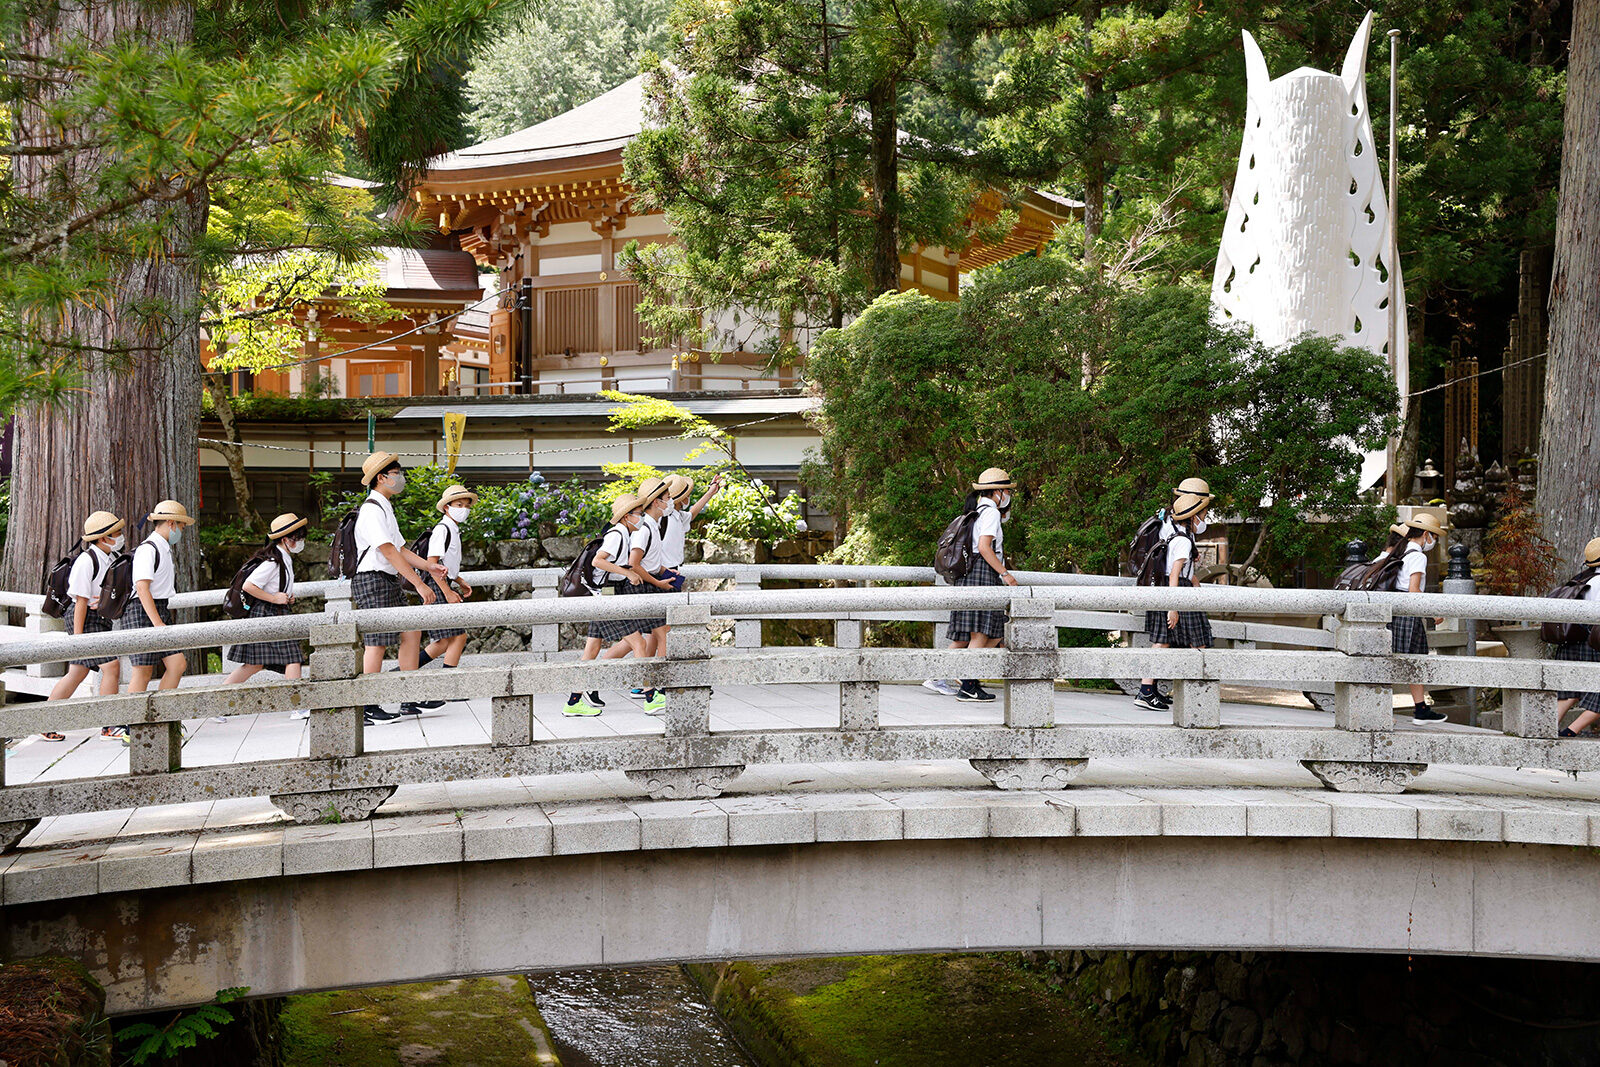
column 117, row 542
column 1428, row 543
column 459, row 514
column 1003, row 501
column 397, row 482
column 175, row 535
column 296, row 547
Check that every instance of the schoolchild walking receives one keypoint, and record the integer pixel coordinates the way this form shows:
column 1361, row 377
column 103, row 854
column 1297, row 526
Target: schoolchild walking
column 154, row 584
column 102, row 539
column 1577, row 648
column 611, row 572
column 991, row 497
column 1181, row 525
column 676, row 522
column 645, row 560
column 269, row 591
column 382, row 562
column 444, row 547
column 1410, row 633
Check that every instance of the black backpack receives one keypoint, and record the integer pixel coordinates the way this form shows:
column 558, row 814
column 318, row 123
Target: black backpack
column 57, row 601
column 578, row 578
column 1566, row 633
column 343, row 559
column 236, row 603
column 117, row 589
column 420, row 545
column 952, row 559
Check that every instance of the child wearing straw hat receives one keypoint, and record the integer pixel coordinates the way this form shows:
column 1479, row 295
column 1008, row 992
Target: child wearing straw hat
column 102, row 539
column 1183, row 522
column 679, row 517
column 622, row 635
column 154, row 584
column 444, row 547
column 1580, row 650
column 1410, row 633
column 644, row 557
column 269, row 590
column 991, row 497
column 383, row 560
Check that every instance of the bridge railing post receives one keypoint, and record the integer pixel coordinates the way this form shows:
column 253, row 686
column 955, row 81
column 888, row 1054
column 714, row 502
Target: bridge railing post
column 688, row 712
column 11, row 831
column 1031, row 681
column 36, row 624
column 858, row 701
column 1458, row 580
column 1366, row 707
column 544, row 639
column 746, row 632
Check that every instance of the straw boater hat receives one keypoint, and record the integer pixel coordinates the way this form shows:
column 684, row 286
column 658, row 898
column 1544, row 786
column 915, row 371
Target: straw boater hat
column 376, row 464
column 1425, row 521
column 1591, row 553
column 284, row 525
column 679, row 487
column 454, row 493
column 651, row 490
column 1193, row 487
column 1398, row 528
column 993, row 478
column 1188, row 505
column 171, row 511
column 625, row 503
column 101, row 524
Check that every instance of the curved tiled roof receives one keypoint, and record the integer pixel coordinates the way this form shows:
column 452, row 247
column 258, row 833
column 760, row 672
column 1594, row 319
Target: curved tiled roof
column 607, row 122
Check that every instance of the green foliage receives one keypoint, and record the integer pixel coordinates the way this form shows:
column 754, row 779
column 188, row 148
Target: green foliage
column 563, row 54
column 1098, row 395
column 266, row 407
column 213, row 533
column 119, row 145
column 185, row 1031
column 5, row 508
column 517, row 511
column 1518, row 558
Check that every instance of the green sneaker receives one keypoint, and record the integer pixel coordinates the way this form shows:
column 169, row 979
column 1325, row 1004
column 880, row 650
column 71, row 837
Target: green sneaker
column 656, row 704
column 581, row 706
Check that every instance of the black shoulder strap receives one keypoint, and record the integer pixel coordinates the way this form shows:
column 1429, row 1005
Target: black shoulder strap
column 364, row 551
column 156, row 567
column 446, row 526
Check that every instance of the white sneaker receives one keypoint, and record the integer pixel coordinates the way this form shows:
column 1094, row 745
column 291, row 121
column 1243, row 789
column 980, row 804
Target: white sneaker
column 300, row 713
column 941, row 686
column 219, row 718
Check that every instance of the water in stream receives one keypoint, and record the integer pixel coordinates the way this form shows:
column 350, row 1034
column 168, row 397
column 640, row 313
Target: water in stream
column 632, row 1017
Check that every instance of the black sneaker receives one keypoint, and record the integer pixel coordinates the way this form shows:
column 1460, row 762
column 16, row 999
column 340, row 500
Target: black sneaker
column 427, row 705
column 375, row 715
column 410, row 708
column 1566, row 731
column 1427, row 713
column 979, row 694
column 594, row 699
column 1152, row 702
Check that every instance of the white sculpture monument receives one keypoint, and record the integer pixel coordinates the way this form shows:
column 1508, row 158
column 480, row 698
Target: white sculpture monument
column 1308, row 231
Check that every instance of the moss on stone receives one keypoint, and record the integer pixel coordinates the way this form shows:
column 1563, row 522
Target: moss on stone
column 899, row 1011
column 470, row 1022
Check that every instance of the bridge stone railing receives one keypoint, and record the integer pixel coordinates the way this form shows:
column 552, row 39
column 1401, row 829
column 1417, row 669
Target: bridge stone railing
column 1359, row 750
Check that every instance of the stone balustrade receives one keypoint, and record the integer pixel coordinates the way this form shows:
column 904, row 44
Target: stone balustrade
column 1360, row 749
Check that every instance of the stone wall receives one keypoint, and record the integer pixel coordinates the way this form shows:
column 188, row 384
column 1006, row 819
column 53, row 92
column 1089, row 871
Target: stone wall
column 1251, row 1009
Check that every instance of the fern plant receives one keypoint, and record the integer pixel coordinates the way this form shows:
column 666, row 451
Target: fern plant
column 184, row 1031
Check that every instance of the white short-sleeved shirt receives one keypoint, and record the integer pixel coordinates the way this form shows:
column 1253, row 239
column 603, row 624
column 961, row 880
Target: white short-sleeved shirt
column 88, row 574
column 376, row 526
column 672, row 540
column 1415, row 561
column 152, row 562
column 648, row 538
column 1180, row 546
column 448, row 554
column 1592, row 590
column 265, row 576
column 988, row 524
column 614, row 545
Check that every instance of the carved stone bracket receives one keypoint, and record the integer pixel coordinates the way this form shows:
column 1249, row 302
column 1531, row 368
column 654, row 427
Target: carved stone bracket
column 11, row 833
column 333, row 805
column 1029, row 773
column 1354, row 777
column 684, row 783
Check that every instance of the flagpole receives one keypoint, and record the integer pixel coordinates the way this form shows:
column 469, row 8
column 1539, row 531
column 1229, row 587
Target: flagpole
column 1392, row 490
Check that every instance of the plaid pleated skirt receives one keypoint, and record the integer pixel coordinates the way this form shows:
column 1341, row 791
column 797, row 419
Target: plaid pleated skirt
column 268, row 653
column 1193, row 629
column 1580, row 652
column 374, row 589
column 615, row 629
column 643, row 589
column 438, row 598
column 965, row 622
column 134, row 617
column 1410, row 635
column 94, row 623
